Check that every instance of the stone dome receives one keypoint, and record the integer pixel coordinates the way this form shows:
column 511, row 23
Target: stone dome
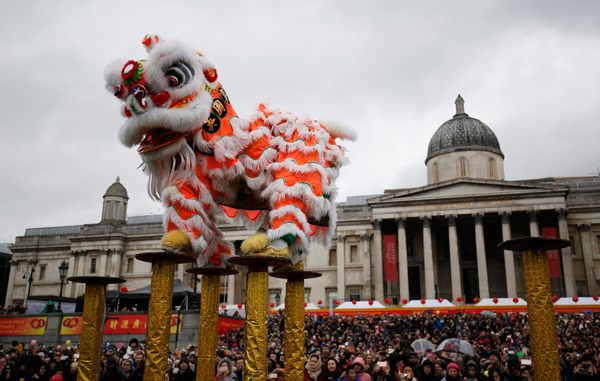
column 116, row 190
column 462, row 133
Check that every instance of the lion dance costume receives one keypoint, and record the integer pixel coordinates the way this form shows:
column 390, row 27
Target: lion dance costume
column 274, row 172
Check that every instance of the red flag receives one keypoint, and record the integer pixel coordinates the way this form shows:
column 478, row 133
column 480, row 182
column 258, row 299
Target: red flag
column 553, row 255
column 389, row 257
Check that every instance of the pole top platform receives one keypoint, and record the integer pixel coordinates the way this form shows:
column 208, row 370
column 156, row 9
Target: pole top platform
column 211, row 271
column 155, row 256
column 534, row 243
column 96, row 279
column 258, row 261
column 295, row 276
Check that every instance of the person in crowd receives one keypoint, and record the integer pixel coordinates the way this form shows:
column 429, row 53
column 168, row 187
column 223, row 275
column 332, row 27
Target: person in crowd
column 452, row 373
column 170, row 375
column 42, row 373
column 359, row 367
column 382, row 371
column 127, row 369
column 72, row 374
column 138, row 372
column 225, row 371
column 349, row 375
column 185, row 373
column 332, row 370
column 406, row 374
column 239, row 368
column 427, row 372
column 313, row 369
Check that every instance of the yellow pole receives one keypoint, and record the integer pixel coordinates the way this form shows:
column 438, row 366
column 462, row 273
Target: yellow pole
column 159, row 320
column 256, row 328
column 207, row 336
column 91, row 332
column 542, row 324
column 294, row 331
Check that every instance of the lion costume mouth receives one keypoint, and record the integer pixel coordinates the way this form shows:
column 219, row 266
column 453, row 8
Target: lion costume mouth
column 160, row 137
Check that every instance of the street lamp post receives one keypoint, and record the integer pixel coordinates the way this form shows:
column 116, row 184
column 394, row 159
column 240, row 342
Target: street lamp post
column 63, row 268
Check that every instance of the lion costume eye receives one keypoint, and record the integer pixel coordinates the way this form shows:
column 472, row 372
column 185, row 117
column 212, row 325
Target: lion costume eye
column 179, row 74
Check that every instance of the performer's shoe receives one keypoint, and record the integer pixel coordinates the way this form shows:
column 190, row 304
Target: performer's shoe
column 291, row 267
column 177, row 242
column 278, row 248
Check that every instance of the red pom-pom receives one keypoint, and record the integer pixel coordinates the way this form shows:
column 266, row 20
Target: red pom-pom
column 404, row 301
column 223, row 306
column 370, row 302
column 495, row 300
column 160, row 99
column 305, row 305
column 476, row 300
column 422, row 301
column 440, row 300
column 555, row 298
column 516, row 300
column 354, row 302
column 240, row 306
column 575, row 299
column 595, row 298
column 459, row 299
column 271, row 304
column 211, row 75
column 337, row 302
column 387, row 301
column 319, row 302
column 123, row 289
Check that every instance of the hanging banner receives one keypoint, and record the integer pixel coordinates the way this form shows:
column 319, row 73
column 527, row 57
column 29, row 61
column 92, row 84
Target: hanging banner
column 389, row 257
column 29, row 326
column 117, row 324
column 227, row 324
column 553, row 255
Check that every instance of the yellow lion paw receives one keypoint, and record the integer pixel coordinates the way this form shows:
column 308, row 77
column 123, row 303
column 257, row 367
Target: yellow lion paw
column 255, row 243
column 178, row 242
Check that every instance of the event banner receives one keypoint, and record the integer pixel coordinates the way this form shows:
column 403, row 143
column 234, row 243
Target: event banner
column 389, row 257
column 225, row 324
column 117, row 324
column 23, row 326
column 553, row 255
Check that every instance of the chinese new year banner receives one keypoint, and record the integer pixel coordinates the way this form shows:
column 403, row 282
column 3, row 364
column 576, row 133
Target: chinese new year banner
column 226, row 324
column 553, row 255
column 389, row 257
column 26, row 326
column 123, row 324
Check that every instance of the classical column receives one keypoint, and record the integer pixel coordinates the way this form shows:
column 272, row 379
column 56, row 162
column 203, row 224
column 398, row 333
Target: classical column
column 428, row 258
column 116, row 268
column 80, row 287
column 180, row 271
column 454, row 260
column 534, row 229
column 230, row 289
column 71, row 272
column 588, row 259
column 366, row 261
column 378, row 260
column 509, row 258
column 103, row 259
column 340, row 252
column 402, row 259
column 567, row 256
column 484, row 288
column 11, row 283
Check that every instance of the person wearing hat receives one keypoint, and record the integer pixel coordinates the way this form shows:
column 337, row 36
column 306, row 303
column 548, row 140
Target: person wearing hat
column 413, row 361
column 452, row 373
column 111, row 373
column 313, row 368
column 427, row 372
column 185, row 373
column 471, row 370
column 359, row 366
column 225, row 371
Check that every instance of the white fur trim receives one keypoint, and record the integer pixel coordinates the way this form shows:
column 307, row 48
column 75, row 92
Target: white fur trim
column 339, row 130
column 112, row 75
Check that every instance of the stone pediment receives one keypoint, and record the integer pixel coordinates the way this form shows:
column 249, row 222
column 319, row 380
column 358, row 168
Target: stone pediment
column 469, row 188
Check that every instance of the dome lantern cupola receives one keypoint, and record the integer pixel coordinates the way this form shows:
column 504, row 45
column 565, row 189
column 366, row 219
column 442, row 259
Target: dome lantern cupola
column 114, row 209
column 464, row 147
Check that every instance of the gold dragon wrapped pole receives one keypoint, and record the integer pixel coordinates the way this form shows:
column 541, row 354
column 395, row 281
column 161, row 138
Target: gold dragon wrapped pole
column 159, row 310
column 542, row 324
column 209, row 314
column 94, row 312
column 294, row 317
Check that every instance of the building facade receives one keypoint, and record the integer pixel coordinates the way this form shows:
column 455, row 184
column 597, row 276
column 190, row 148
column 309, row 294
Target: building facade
column 440, row 239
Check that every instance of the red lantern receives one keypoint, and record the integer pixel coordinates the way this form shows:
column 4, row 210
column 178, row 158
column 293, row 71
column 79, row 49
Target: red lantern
column 271, row 304
column 422, row 301
column 476, row 300
column 223, row 306
column 123, row 289
column 387, row 301
column 575, row 299
column 370, row 302
column 404, row 301
column 516, row 300
column 495, row 300
column 319, row 302
column 459, row 299
column 595, row 298
column 440, row 300
column 239, row 306
column 555, row 298
column 337, row 302
column 354, row 302
column 305, row 305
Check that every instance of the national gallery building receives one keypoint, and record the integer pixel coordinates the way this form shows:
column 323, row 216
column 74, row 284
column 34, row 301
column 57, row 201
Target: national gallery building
column 438, row 240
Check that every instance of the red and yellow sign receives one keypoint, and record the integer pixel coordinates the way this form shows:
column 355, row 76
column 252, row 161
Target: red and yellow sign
column 26, row 326
column 227, row 324
column 117, row 324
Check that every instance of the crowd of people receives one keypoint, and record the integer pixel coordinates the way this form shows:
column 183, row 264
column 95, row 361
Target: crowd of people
column 350, row 348
column 17, row 308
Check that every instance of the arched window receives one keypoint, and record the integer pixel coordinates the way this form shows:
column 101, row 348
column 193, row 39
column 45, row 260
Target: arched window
column 462, row 164
column 492, row 167
column 436, row 173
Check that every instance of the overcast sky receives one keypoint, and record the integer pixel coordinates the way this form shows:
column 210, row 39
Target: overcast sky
column 529, row 70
